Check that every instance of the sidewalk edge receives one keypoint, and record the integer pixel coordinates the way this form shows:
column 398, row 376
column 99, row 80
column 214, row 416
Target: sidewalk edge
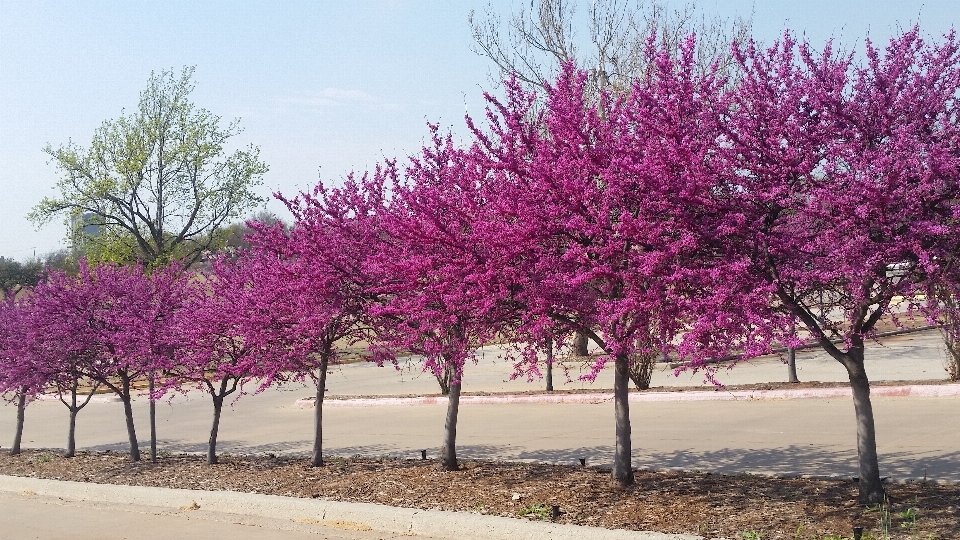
column 912, row 390
column 389, row 519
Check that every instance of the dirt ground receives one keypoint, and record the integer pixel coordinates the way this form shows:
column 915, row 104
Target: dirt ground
column 736, row 507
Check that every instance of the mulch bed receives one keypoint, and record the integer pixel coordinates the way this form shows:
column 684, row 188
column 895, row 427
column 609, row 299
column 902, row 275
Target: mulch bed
column 732, row 506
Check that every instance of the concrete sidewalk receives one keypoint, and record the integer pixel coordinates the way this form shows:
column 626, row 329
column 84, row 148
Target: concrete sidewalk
column 29, row 516
column 273, row 515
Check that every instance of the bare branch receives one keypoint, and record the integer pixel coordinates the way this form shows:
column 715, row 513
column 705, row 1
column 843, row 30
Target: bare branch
column 534, row 43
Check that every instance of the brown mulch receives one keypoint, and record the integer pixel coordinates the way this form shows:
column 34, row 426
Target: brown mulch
column 736, row 507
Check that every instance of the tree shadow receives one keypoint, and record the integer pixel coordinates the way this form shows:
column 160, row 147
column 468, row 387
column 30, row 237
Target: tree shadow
column 787, row 461
column 223, row 447
column 803, row 460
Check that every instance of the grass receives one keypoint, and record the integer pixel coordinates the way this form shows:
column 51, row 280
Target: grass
column 539, row 511
column 908, row 518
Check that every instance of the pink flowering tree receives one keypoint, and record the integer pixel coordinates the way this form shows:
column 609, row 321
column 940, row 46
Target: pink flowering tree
column 64, row 339
column 218, row 351
column 147, row 333
column 841, row 181
column 589, row 197
column 317, row 282
column 441, row 294
column 20, row 379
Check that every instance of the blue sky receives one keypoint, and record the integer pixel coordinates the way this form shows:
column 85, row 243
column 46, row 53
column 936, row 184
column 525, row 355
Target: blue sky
column 322, row 87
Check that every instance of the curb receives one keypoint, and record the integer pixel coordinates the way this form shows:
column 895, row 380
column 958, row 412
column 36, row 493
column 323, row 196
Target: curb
column 916, row 390
column 389, row 519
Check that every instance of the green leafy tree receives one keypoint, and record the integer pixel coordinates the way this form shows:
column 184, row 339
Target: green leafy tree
column 61, row 260
column 155, row 184
column 16, row 276
column 235, row 235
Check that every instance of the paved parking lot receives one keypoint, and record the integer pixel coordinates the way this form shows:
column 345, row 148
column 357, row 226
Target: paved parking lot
column 811, row 436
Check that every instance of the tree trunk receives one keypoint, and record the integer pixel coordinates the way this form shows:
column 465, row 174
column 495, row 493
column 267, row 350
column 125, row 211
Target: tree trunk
column 448, row 452
column 792, row 365
column 21, row 407
column 580, row 344
column 75, row 408
column 72, row 433
column 131, row 430
column 153, row 423
column 128, row 413
column 212, row 446
column 622, row 464
column 444, row 380
column 792, row 357
column 549, row 364
column 72, row 430
column 641, row 369
column 950, row 330
column 317, row 460
column 953, row 357
column 871, row 488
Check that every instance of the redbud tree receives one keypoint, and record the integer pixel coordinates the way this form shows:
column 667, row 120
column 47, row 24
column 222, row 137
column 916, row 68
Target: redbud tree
column 319, row 283
column 593, row 202
column 59, row 344
column 441, row 292
column 220, row 329
column 20, row 379
column 841, row 183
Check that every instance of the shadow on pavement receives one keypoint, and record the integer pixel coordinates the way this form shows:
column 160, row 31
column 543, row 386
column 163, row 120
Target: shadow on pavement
column 789, row 460
column 809, row 460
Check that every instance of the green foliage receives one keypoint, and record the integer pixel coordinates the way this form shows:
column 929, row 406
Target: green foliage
column 908, row 518
column 155, row 184
column 60, row 260
column 885, row 518
column 16, row 276
column 234, row 236
column 539, row 511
